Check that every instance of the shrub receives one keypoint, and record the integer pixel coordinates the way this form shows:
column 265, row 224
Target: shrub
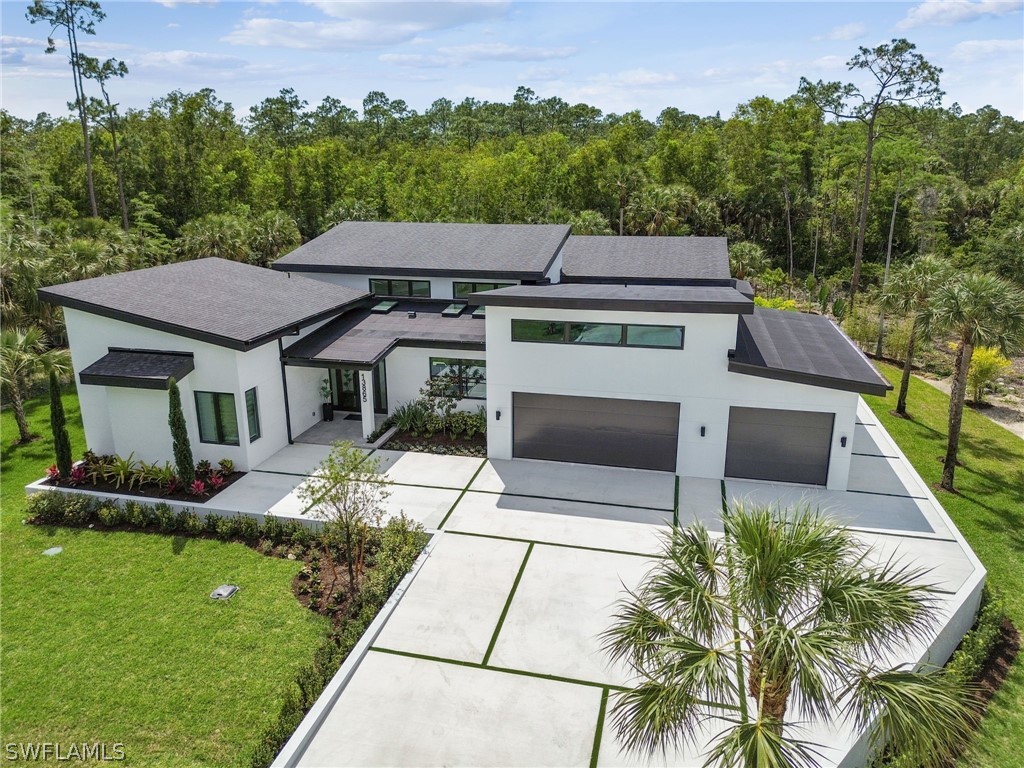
column 248, row 529
column 986, row 365
column 179, row 434
column 166, row 518
column 110, row 515
column 138, row 515
column 227, row 466
column 778, row 302
column 204, row 467
column 122, row 471
column 191, row 523
column 61, row 441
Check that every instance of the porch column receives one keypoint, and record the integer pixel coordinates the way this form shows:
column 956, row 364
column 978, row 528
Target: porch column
column 366, row 398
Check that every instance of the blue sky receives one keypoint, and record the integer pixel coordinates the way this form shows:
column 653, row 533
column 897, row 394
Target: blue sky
column 697, row 56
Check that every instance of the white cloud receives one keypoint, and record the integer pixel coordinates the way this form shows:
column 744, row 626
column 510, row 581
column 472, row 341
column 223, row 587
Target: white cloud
column 829, row 62
column 506, row 52
column 176, row 60
column 416, row 60
column 173, row 25
column 542, row 74
column 314, row 35
column 644, row 78
column 970, row 51
column 948, row 12
column 428, row 15
column 850, row 31
column 176, row 3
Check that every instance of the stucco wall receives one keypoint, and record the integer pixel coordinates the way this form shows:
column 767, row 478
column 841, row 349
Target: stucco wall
column 697, row 377
column 440, row 287
column 408, row 369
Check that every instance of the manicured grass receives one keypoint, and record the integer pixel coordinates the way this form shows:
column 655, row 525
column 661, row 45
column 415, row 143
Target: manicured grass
column 989, row 511
column 116, row 640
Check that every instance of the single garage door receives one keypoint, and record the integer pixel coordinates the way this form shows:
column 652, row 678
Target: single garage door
column 639, row 434
column 788, row 446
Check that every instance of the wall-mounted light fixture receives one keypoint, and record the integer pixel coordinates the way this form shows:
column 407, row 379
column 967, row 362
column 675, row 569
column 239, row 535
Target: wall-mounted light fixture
column 497, row 415
column 842, row 441
column 703, row 431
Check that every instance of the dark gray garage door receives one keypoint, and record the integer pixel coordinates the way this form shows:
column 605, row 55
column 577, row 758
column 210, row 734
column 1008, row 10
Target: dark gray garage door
column 789, row 446
column 595, row 430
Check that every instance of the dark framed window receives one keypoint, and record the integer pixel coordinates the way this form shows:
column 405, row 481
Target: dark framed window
column 385, row 287
column 252, row 413
column 599, row 334
column 469, row 377
column 218, row 421
column 538, row 330
column 462, row 290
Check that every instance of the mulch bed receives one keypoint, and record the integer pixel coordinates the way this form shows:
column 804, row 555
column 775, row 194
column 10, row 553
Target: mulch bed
column 149, row 492
column 997, row 667
column 333, row 580
column 439, row 443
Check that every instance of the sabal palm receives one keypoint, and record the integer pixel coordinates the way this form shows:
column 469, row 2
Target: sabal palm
column 907, row 293
column 979, row 309
column 747, row 260
column 24, row 358
column 785, row 613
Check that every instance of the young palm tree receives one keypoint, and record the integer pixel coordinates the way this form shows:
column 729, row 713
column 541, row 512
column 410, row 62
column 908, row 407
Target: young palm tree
column 980, row 310
column 24, row 358
column 747, row 260
column 907, row 293
column 785, row 613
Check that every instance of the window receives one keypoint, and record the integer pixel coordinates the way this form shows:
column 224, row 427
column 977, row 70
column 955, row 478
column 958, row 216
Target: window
column 469, row 377
column 462, row 290
column 595, row 333
column 218, row 422
column 252, row 413
column 538, row 330
column 599, row 334
column 654, row 336
column 417, row 288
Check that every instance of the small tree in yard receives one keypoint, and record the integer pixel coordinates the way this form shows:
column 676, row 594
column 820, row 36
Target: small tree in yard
column 986, row 365
column 183, row 461
column 61, row 441
column 24, row 359
column 779, row 621
column 347, row 495
column 440, row 395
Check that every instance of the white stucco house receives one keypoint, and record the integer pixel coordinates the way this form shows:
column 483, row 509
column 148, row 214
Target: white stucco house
column 618, row 351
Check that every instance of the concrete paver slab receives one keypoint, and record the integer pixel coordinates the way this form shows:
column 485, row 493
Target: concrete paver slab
column 947, row 568
column 453, row 606
column 560, row 522
column 427, row 506
column 880, row 474
column 399, row 711
column 565, row 599
column 579, row 482
column 863, row 510
column 256, row 493
column 868, row 440
column 295, row 459
column 700, row 500
column 427, row 469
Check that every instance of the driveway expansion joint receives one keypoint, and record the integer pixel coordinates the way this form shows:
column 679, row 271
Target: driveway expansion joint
column 508, row 604
column 461, row 495
column 552, row 544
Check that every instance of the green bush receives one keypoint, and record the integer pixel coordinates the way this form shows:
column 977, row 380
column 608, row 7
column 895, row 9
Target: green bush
column 61, row 441
column 110, row 515
column 179, row 435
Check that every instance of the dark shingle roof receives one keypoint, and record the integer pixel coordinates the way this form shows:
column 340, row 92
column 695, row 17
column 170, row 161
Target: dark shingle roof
column 520, row 251
column 360, row 338
column 718, row 299
column 138, row 368
column 807, row 349
column 645, row 258
column 221, row 302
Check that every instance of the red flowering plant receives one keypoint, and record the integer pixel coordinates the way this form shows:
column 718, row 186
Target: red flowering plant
column 52, row 472
column 216, row 481
column 198, row 488
column 77, row 475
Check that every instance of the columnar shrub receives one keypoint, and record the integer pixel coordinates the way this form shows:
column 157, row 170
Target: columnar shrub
column 179, row 435
column 61, row 441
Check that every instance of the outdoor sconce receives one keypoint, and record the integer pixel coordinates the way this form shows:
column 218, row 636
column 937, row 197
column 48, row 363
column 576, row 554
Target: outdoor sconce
column 842, row 441
column 497, row 415
column 703, row 431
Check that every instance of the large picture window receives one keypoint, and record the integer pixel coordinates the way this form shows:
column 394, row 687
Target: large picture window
column 469, row 377
column 416, row 288
column 462, row 290
column 252, row 414
column 599, row 334
column 218, row 421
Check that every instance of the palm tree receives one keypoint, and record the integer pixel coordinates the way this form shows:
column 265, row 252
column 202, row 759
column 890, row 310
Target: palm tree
column 784, row 613
column 589, row 223
column 24, row 358
column 979, row 309
column 747, row 260
column 907, row 293
column 659, row 210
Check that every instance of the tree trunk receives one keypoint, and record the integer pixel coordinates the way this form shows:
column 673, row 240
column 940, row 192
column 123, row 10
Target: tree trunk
column 772, row 697
column 901, row 402
column 964, row 353
column 18, row 406
column 888, row 259
column 76, row 74
column 622, row 215
column 117, row 164
column 350, row 561
column 862, row 226
column 789, row 234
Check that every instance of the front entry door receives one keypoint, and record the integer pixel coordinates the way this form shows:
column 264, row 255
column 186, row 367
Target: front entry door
column 345, row 389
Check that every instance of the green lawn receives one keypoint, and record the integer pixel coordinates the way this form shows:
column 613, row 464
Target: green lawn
column 116, row 640
column 989, row 511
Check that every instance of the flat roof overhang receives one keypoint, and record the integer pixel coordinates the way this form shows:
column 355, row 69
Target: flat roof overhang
column 138, row 368
column 408, row 271
column 631, row 297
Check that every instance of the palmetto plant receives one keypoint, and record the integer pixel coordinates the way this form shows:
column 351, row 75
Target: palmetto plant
column 24, row 359
column 777, row 622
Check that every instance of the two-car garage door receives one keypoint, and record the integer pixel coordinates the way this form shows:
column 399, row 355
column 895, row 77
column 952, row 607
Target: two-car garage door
column 639, row 434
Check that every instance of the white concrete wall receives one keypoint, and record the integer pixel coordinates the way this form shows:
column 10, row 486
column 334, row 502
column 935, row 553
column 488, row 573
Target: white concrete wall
column 697, row 377
column 408, row 369
column 124, row 420
column 304, row 397
column 440, row 287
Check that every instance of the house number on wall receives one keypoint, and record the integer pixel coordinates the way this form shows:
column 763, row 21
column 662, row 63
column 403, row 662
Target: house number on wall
column 362, row 386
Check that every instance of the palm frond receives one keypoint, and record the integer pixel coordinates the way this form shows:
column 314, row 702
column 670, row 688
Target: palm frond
column 760, row 743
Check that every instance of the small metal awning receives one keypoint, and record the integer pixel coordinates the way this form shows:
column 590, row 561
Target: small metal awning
column 138, row 368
